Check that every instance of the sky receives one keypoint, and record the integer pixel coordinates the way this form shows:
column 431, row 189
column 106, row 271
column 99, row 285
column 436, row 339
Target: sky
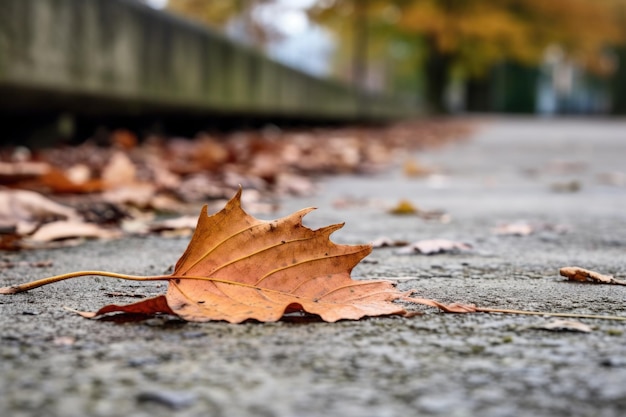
column 304, row 46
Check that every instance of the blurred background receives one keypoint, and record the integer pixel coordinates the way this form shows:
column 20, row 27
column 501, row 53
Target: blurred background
column 524, row 56
column 68, row 67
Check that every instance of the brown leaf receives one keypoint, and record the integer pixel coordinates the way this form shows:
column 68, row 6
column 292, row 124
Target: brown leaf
column 237, row 268
column 59, row 182
column 178, row 223
column 574, row 273
column 26, row 210
column 70, row 229
column 119, row 171
column 14, row 172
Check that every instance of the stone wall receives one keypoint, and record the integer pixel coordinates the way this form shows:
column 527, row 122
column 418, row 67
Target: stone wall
column 118, row 56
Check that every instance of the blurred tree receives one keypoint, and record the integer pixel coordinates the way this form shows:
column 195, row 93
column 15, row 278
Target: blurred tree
column 469, row 37
column 618, row 82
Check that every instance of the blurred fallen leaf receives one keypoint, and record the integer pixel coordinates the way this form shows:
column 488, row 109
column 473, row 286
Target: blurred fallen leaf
column 522, row 228
column 78, row 174
column 574, row 273
column 514, row 229
column 434, row 246
column 26, row 210
column 560, row 325
column 12, row 172
column 70, row 229
column 120, row 171
column 133, row 194
column 404, row 207
column 560, row 167
column 566, row 187
column 184, row 222
column 59, row 182
column 411, row 168
column 385, row 242
column 124, row 139
column 615, row 178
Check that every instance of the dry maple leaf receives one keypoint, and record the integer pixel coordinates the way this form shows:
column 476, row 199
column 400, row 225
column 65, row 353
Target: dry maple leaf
column 237, row 268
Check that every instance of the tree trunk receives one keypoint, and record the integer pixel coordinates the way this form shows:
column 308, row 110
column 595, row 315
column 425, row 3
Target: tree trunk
column 359, row 58
column 437, row 70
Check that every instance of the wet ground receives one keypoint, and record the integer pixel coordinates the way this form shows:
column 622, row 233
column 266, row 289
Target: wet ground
column 562, row 176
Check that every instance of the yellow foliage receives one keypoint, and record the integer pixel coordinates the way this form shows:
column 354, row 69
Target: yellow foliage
column 479, row 33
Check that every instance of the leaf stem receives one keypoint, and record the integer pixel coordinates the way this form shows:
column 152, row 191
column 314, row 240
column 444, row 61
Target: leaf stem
column 543, row 313
column 14, row 289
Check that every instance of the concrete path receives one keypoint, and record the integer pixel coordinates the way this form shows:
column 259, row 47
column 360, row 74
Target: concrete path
column 562, row 176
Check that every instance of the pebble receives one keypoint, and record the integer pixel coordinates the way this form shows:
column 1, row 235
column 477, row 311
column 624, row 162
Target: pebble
column 175, row 400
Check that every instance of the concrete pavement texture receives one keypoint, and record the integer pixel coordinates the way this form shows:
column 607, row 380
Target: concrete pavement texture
column 564, row 176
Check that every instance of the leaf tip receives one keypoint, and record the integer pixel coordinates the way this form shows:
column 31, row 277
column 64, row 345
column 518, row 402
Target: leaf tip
column 238, row 193
column 86, row 314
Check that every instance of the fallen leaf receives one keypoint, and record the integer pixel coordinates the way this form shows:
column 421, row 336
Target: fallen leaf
column 574, row 273
column 238, row 268
column 566, row 187
column 26, row 210
column 69, row 229
column 434, row 246
column 411, row 168
column 385, row 242
column 13, row 172
column 565, row 167
column 438, row 181
column 564, row 326
column 522, row 228
column 78, row 174
column 178, row 223
column 404, row 207
column 124, row 139
column 614, row 178
column 133, row 194
column 119, row 171
column 58, row 181
column 514, row 229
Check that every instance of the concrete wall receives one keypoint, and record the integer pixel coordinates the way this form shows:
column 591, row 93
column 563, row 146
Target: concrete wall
column 118, row 56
